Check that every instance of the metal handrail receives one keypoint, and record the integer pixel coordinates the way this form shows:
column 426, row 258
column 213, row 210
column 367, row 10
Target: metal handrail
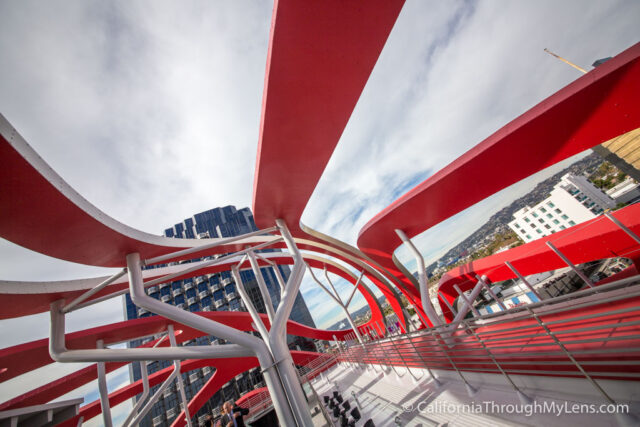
column 549, row 342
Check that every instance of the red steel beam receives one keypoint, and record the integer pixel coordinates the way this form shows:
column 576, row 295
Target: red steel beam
column 598, row 106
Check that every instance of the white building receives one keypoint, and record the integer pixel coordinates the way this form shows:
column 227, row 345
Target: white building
column 627, row 191
column 572, row 201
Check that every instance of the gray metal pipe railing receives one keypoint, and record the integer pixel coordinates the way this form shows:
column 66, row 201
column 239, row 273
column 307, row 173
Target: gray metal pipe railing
column 143, row 396
column 217, row 242
column 278, row 340
column 475, row 353
column 211, row 327
column 58, row 350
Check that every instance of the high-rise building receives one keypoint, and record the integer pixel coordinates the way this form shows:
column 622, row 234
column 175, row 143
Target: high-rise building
column 572, row 201
column 212, row 292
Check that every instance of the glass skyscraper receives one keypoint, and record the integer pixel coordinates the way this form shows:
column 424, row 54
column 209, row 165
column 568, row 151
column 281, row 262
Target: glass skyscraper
column 212, row 292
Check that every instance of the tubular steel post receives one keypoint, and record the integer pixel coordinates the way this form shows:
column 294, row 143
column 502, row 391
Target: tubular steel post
column 448, row 304
column 211, row 327
column 385, row 355
column 255, row 316
column 152, row 401
column 94, row 290
column 422, row 280
column 176, row 363
column 523, row 397
column 470, row 390
column 104, row 391
column 351, row 361
column 218, row 242
column 436, row 381
column 355, row 288
column 466, row 307
column 169, row 277
column 569, row 355
column 58, row 350
column 278, row 332
column 575, row 269
column 493, row 295
column 395, row 346
column 338, row 345
column 266, row 297
column 468, row 302
column 367, row 353
column 344, row 306
column 337, row 299
column 276, row 271
column 145, row 393
column 331, row 284
column 525, row 281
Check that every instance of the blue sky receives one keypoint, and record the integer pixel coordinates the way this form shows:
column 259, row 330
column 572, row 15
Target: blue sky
column 150, row 109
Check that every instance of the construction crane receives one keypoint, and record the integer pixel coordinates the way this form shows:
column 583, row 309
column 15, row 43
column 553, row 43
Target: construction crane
column 566, row 61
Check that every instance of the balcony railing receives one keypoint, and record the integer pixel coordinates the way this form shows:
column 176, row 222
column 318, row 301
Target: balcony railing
column 593, row 333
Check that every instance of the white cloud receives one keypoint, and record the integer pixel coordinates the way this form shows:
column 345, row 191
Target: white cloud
column 450, row 75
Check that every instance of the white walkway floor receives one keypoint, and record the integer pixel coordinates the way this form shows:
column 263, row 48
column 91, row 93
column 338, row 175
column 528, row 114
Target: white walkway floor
column 393, row 400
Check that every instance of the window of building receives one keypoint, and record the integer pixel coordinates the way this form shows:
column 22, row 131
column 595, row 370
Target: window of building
column 535, row 215
column 551, row 205
column 532, row 225
column 528, row 237
column 565, row 217
column 541, row 221
column 572, row 223
column 562, row 227
column 517, row 225
column 549, row 216
column 547, row 226
column 555, row 221
column 527, row 220
column 558, row 211
column 543, row 210
column 538, row 231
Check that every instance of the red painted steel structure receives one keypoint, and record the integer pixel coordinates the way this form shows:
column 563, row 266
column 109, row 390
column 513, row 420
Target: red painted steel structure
column 593, row 240
column 226, row 369
column 13, row 357
column 598, row 106
column 320, row 57
column 27, row 300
